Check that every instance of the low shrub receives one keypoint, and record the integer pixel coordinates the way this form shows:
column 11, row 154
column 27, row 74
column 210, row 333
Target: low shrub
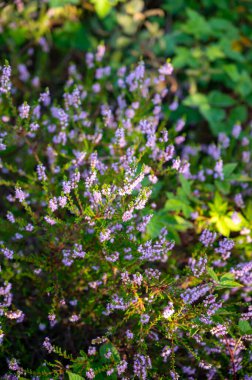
column 93, row 284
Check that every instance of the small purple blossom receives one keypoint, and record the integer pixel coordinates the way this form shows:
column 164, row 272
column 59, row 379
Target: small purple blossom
column 144, row 318
column 5, row 83
column 90, row 374
column 207, row 238
column 192, row 295
column 47, row 345
column 236, row 131
column 41, row 172
column 168, row 310
column 20, row 194
column 24, row 110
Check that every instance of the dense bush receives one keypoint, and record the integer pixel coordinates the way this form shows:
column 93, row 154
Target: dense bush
column 116, row 256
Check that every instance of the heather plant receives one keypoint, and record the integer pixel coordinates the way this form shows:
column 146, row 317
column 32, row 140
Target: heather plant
column 91, row 287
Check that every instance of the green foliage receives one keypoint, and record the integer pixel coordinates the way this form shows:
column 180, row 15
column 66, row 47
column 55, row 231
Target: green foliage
column 209, row 42
column 74, row 376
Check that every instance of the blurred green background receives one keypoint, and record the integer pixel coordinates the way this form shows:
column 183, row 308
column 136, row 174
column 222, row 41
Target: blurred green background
column 209, row 42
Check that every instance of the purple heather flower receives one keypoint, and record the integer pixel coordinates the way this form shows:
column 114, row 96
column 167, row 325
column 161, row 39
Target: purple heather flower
column 246, row 157
column 198, row 267
column 45, row 98
column 34, row 127
column 207, row 238
column 10, row 217
column 218, row 170
column 50, row 220
column 180, row 125
column 236, row 218
column 121, row 367
column 101, row 49
column 53, row 204
column 92, row 350
column 144, row 318
column 213, row 151
column 174, row 105
column 5, row 83
column 166, row 352
column 219, row 330
column 62, row 201
column 24, row 110
column 248, row 315
column 141, row 365
column 236, row 131
column 105, row 235
column 245, row 141
column 13, row 365
column 168, row 311
column 225, row 246
column 90, row 374
column 24, row 74
column 29, row 227
column 41, row 172
column 166, row 69
column 47, row 345
column 129, row 334
column 193, row 294
column 44, row 44
column 20, row 194
column 8, row 253
column 223, row 140
column 74, row 318
column 239, row 200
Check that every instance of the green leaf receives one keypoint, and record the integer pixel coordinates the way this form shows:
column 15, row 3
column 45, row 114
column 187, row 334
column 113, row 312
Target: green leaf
column 173, row 205
column 109, row 347
column 183, row 58
column 182, row 224
column 248, row 210
column 173, row 6
column 74, row 376
column 219, row 204
column 228, row 169
column 178, row 205
column 186, row 185
column 231, row 224
column 18, row 35
column 213, row 115
column 61, row 3
column 71, row 35
column 227, row 277
column 238, row 114
column 232, row 71
column 221, row 26
column 173, row 223
column 244, row 86
column 212, row 274
column 244, row 327
column 223, row 186
column 103, row 7
column 222, row 226
column 229, row 284
column 214, row 52
column 196, row 100
column 219, row 99
column 196, row 25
